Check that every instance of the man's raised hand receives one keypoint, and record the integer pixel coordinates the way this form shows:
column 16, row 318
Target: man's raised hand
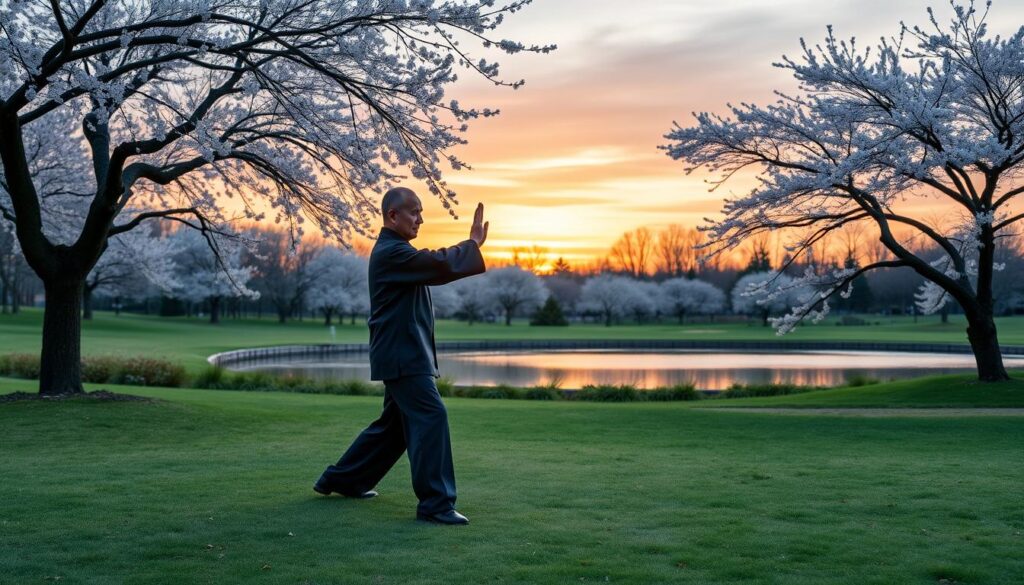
column 478, row 233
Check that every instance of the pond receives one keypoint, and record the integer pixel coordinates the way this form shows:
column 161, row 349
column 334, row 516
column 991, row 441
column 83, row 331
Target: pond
column 707, row 370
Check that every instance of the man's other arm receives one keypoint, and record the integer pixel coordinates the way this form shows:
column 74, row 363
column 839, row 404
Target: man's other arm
column 407, row 265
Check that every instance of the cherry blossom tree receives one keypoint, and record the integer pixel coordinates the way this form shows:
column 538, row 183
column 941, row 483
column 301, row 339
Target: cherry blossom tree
column 339, row 284
column 608, row 295
column 171, row 106
column 937, row 114
column 133, row 262
column 208, row 273
column 682, row 296
column 643, row 301
column 514, row 289
column 445, row 300
column 472, row 296
column 283, row 270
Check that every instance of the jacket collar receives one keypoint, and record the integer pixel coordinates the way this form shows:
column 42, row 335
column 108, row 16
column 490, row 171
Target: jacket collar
column 387, row 233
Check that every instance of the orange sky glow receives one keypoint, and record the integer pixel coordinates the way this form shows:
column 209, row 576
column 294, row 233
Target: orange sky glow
column 572, row 161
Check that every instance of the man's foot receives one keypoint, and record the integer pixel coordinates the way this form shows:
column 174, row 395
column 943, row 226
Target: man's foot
column 326, row 491
column 450, row 517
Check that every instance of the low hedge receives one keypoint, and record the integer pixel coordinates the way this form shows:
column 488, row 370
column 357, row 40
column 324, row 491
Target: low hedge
column 217, row 378
column 136, row 371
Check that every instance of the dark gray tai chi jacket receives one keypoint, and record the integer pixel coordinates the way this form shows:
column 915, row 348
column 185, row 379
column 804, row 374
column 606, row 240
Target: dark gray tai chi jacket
column 404, row 356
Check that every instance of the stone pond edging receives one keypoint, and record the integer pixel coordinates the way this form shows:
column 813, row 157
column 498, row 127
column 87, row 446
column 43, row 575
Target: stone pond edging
column 329, row 349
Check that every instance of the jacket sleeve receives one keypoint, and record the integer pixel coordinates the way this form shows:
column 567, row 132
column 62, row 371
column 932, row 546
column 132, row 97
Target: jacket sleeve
column 407, row 265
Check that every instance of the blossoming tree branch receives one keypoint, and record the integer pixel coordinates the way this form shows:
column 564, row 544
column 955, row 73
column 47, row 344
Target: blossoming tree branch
column 135, row 110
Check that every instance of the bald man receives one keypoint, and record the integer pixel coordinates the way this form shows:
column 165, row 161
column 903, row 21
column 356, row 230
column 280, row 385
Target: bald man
column 403, row 355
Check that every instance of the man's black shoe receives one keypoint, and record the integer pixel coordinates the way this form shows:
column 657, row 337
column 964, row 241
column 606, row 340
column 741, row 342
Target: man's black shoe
column 326, row 491
column 449, row 517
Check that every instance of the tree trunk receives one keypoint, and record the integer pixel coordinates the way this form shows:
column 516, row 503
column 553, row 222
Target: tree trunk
column 87, row 302
column 981, row 331
column 215, row 310
column 352, row 321
column 60, row 367
column 508, row 317
column 327, row 317
column 15, row 294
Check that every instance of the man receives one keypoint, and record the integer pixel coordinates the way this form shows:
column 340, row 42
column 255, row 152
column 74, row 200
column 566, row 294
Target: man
column 403, row 355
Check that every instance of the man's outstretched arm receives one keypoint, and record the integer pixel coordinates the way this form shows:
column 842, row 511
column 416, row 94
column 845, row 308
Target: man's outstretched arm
column 407, row 265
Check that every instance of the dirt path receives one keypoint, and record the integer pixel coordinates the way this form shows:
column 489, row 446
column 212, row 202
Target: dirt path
column 879, row 412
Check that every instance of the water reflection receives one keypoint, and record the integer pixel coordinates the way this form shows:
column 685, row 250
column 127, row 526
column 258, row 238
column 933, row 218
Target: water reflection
column 707, row 370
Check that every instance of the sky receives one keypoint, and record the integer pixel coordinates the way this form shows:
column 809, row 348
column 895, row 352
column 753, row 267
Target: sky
column 572, row 162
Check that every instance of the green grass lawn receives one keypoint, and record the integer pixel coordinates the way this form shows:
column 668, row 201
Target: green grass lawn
column 214, row 487
column 190, row 341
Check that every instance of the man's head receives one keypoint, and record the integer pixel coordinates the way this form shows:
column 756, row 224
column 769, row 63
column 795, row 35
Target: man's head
column 402, row 212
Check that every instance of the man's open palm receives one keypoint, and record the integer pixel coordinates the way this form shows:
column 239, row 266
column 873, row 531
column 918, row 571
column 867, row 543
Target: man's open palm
column 478, row 233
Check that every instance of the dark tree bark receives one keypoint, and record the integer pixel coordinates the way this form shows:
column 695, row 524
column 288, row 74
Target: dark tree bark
column 328, row 313
column 60, row 367
column 981, row 331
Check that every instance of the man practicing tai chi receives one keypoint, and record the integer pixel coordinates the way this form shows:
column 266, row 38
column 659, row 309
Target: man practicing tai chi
column 402, row 354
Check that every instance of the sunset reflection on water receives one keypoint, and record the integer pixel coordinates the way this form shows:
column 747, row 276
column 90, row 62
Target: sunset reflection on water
column 706, row 370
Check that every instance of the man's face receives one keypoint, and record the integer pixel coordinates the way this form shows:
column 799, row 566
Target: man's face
column 406, row 218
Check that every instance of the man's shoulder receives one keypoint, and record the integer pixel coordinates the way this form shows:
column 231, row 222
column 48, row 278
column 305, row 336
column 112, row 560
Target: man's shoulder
column 389, row 246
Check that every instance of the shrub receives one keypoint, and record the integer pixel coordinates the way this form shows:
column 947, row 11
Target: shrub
column 499, row 391
column 550, row 314
column 860, row 380
column 607, row 393
column 217, row 378
column 672, row 393
column 211, row 378
column 141, row 371
column 542, row 393
column 748, row 390
column 20, row 365
column 445, row 386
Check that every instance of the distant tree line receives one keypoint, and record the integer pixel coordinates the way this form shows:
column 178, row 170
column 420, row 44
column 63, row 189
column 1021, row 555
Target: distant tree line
column 647, row 276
